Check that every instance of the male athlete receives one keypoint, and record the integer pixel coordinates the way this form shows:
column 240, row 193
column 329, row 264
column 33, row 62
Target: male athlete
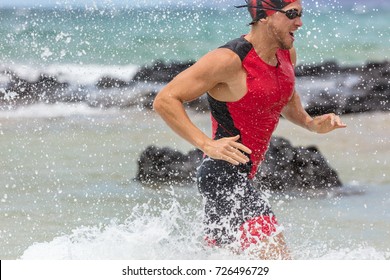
column 249, row 84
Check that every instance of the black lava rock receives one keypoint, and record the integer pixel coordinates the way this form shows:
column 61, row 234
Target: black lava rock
column 285, row 167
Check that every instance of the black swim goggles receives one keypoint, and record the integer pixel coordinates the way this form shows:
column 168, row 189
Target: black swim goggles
column 291, row 14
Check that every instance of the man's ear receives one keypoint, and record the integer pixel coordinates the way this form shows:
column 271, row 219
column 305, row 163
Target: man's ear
column 263, row 20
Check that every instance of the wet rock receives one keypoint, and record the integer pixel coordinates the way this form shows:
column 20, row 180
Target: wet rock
column 146, row 99
column 372, row 101
column 287, row 167
column 143, row 99
column 371, row 91
column 161, row 72
column 324, row 103
column 317, row 69
column 45, row 89
column 284, row 168
column 163, row 165
column 109, row 82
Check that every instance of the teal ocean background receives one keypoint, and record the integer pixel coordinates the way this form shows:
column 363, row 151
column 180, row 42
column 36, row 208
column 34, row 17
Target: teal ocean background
column 140, row 35
column 66, row 169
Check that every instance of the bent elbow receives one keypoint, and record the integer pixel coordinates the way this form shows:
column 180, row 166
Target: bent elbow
column 164, row 103
column 157, row 104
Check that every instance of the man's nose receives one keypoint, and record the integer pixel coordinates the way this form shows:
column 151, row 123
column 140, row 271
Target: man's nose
column 298, row 21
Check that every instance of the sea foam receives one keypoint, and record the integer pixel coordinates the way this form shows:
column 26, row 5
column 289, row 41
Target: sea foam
column 174, row 233
column 42, row 110
column 73, row 74
column 171, row 235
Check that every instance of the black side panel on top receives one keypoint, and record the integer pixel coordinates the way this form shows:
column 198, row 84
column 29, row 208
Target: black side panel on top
column 219, row 109
column 240, row 46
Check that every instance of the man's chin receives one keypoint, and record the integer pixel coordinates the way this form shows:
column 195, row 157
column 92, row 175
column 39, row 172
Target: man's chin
column 286, row 47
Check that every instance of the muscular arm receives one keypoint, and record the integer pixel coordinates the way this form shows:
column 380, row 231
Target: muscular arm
column 295, row 113
column 213, row 69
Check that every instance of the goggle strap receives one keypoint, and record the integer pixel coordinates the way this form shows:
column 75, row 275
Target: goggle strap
column 259, row 8
column 262, row 8
column 269, row 3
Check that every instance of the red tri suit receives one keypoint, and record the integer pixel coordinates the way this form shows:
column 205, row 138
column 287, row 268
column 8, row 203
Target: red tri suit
column 234, row 209
column 255, row 116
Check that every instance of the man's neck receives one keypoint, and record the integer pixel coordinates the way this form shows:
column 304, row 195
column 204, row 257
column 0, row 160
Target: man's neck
column 264, row 46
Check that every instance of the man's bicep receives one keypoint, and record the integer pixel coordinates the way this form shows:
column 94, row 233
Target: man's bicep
column 199, row 78
column 190, row 85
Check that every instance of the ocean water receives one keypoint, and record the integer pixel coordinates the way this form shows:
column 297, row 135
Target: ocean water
column 138, row 36
column 66, row 181
column 68, row 190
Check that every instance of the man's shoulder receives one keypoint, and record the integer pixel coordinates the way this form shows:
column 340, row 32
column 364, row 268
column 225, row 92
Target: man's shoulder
column 240, row 46
column 217, row 63
column 224, row 60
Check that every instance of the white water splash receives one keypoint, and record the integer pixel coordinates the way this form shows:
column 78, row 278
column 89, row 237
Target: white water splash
column 41, row 110
column 74, row 74
column 175, row 233
column 170, row 235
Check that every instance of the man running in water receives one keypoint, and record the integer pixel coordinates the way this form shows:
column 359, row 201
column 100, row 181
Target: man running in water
column 249, row 82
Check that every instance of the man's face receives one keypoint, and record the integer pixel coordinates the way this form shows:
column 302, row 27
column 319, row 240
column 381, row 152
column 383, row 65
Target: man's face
column 282, row 28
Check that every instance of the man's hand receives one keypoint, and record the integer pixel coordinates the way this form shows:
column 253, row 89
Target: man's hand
column 227, row 149
column 326, row 123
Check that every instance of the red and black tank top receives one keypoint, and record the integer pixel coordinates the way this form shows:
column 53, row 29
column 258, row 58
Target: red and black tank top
column 255, row 116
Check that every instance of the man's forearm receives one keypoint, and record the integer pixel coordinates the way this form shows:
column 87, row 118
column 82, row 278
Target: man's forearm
column 173, row 113
column 295, row 112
